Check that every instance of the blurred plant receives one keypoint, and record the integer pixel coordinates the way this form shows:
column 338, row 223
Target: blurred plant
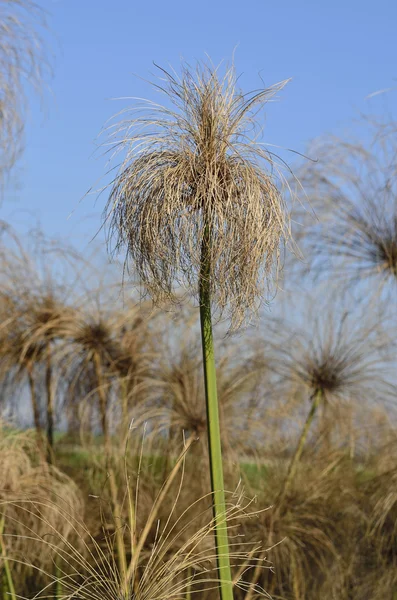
column 36, row 315
column 313, row 533
column 353, row 191
column 193, row 205
column 335, row 358
column 26, row 345
column 23, row 58
column 106, row 350
column 179, row 405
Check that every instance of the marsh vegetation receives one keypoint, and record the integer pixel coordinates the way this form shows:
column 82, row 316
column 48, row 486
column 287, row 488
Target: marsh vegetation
column 126, row 474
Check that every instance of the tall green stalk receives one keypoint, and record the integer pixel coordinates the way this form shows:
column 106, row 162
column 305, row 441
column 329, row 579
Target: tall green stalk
column 50, row 406
column 214, row 437
column 316, row 400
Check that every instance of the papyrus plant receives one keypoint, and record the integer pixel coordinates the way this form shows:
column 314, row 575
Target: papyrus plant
column 353, row 190
column 334, row 357
column 22, row 59
column 196, row 206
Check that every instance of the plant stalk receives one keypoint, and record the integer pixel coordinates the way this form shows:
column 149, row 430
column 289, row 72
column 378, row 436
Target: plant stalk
column 213, row 427
column 154, row 511
column 36, row 411
column 102, row 403
column 50, row 407
column 121, row 549
column 316, row 400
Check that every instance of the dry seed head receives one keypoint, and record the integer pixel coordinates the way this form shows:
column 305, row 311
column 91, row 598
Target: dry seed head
column 346, row 357
column 353, row 190
column 191, row 167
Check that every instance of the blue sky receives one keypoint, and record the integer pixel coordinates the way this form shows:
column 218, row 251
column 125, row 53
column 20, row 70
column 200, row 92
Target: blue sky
column 336, row 53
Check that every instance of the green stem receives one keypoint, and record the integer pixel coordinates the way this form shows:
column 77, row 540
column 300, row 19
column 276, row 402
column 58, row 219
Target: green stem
column 189, row 584
column 316, row 399
column 50, row 407
column 214, row 438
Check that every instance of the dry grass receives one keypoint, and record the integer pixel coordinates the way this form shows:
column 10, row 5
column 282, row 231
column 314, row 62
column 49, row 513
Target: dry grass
column 194, row 166
column 315, row 532
column 24, row 476
column 173, row 555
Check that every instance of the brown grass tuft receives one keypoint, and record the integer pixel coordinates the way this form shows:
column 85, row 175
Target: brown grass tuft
column 25, row 476
column 167, row 554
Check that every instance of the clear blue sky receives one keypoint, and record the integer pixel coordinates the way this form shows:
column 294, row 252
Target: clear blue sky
column 336, row 52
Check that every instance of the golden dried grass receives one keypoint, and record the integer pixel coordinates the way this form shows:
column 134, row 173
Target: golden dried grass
column 26, row 477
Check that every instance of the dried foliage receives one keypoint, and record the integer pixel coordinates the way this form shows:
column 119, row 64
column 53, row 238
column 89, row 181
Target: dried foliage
column 22, row 59
column 107, row 353
column 303, row 535
column 26, row 477
column 193, row 168
column 171, row 557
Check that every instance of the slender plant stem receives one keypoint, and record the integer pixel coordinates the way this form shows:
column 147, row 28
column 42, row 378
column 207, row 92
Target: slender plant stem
column 316, row 400
column 50, row 406
column 36, row 410
column 189, row 583
column 214, row 438
column 59, row 586
column 102, row 403
column 155, row 508
column 121, row 549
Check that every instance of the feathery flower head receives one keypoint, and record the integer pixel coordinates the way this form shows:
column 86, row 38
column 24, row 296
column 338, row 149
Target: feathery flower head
column 193, row 168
